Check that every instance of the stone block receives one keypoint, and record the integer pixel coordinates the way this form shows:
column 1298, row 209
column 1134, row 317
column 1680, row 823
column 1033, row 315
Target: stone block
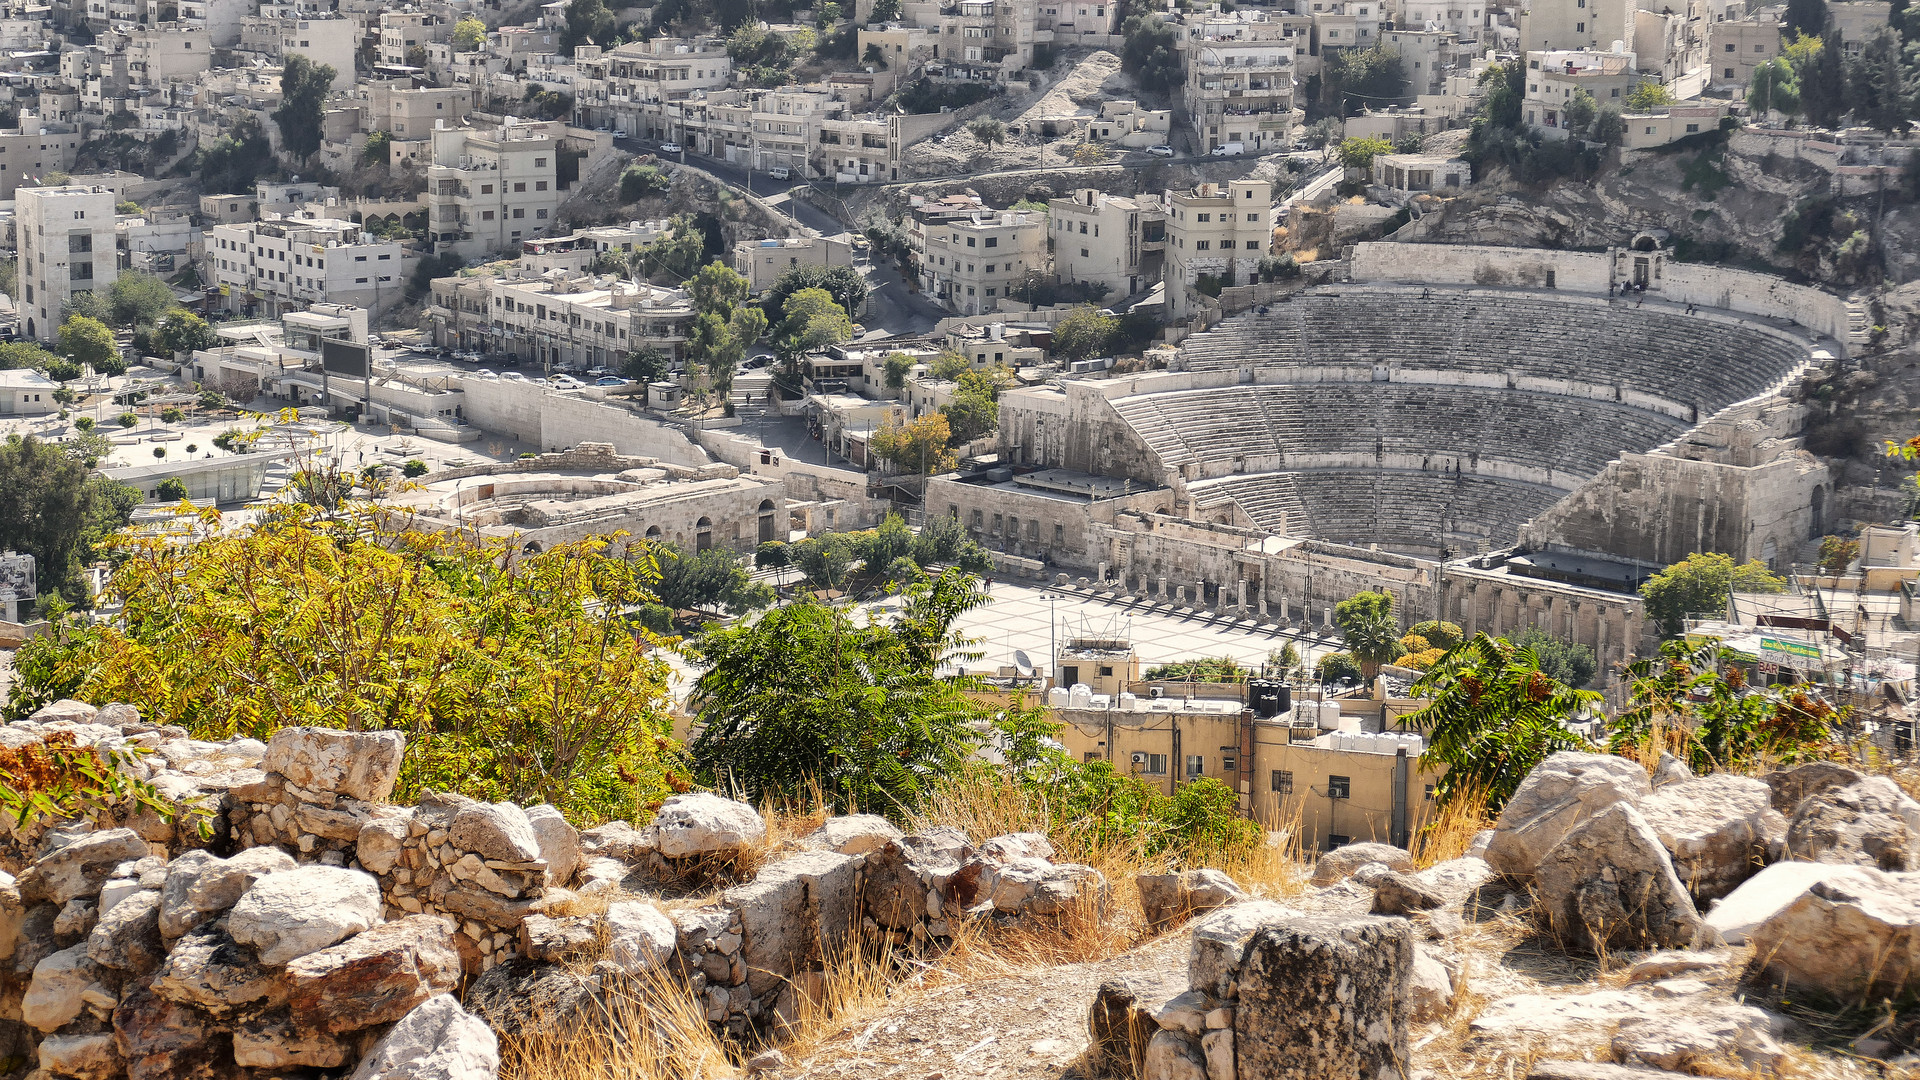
column 1328, row 998
column 374, row 977
column 1560, row 793
column 1852, row 937
column 1609, row 884
column 357, row 764
column 286, row 916
column 1719, row 830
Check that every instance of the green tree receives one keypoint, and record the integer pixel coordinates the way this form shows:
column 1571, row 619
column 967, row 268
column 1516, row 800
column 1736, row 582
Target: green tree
column 1581, row 111
column 24, row 354
column 1823, row 81
column 232, row 162
column 1356, row 79
column 93, row 305
column 515, row 675
column 642, row 180
column 52, row 510
column 378, row 149
column 181, row 331
column 1699, row 585
column 674, row 257
column 1085, row 333
column 1336, row 666
column 810, row 320
column 844, row 283
column 304, row 86
column 1212, row 669
column 1837, row 553
column 708, row 579
column 1774, row 87
column 139, row 299
column 414, row 469
column 824, row 560
column 898, row 366
column 1878, row 91
column 88, row 341
column 1693, row 699
column 987, row 130
column 645, row 364
column 469, row 34
column 1440, row 635
column 1648, row 96
column 716, row 288
column 587, row 20
column 885, row 11
column 1150, row 54
column 919, row 446
column 808, row 696
column 879, row 547
column 1367, row 621
column 1805, row 17
column 1359, row 153
column 1493, row 714
column 1568, row 661
column 172, row 489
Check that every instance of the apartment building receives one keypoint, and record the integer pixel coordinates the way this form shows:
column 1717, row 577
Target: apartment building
column 968, row 263
column 219, row 18
column 787, row 126
column 1580, row 25
column 989, row 39
column 1553, row 78
column 1241, row 92
column 487, row 190
column 576, row 252
column 1090, row 23
column 854, row 150
column 329, row 41
column 1218, row 230
column 1735, row 48
column 289, row 263
column 402, row 32
column 34, row 151
column 164, row 54
column 1101, row 239
column 1346, row 24
column 627, row 88
column 66, row 245
column 904, row 49
column 762, row 262
column 584, row 322
column 1466, row 19
column 413, row 114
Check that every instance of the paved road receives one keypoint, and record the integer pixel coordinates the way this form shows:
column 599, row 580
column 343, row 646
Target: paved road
column 759, row 183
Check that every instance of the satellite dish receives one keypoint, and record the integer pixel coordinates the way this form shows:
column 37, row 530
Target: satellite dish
column 1021, row 664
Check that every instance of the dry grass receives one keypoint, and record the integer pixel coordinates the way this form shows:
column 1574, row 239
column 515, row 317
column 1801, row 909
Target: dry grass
column 1449, row 833
column 652, row 1029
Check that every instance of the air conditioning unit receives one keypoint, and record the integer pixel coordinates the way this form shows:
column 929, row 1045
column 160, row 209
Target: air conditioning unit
column 1139, row 759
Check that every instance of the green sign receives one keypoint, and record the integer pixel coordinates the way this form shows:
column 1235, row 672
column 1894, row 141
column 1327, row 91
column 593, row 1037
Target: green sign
column 1785, row 651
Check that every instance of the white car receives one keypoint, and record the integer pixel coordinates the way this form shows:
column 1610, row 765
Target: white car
column 513, row 375
column 619, row 133
column 485, row 373
column 669, row 147
column 1160, row 151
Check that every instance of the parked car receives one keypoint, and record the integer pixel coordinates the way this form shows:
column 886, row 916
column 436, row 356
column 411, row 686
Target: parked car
column 566, row 382
column 1160, row 151
column 759, row 361
column 669, row 147
column 610, row 380
column 485, row 373
column 513, row 375
column 780, row 172
column 1232, row 149
column 619, row 133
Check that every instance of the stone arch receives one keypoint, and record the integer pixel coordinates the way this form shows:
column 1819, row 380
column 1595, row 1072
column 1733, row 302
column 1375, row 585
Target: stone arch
column 653, row 532
column 532, row 547
column 703, row 534
column 767, row 510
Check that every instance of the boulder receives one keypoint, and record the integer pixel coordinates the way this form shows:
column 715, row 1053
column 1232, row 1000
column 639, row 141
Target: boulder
column 82, row 1057
column 378, row 844
column 1340, row 863
column 520, row 995
column 702, row 823
column 1671, row 770
column 1854, row 936
column 177, row 916
column 1790, row 787
column 1720, row 830
column 1220, row 943
column 495, row 831
column 1560, row 793
column 1593, row 1070
column 66, row 709
column 854, row 834
column 286, row 916
column 78, row 869
column 437, row 1041
column 360, row 765
column 1024, row 885
column 559, row 843
column 374, row 977
column 273, row 1041
column 13, row 915
column 1404, row 894
column 615, row 840
column 1870, row 822
column 1455, row 880
column 1431, row 986
column 803, row 906
column 640, row 937
column 53, row 996
column 163, row 1040
column 1173, row 1055
column 221, row 883
column 1610, row 885
column 907, row 878
column 1701, row 1035
column 544, row 938
column 1171, row 898
column 127, row 938
column 1557, row 1019
column 210, row 971
column 1011, row 846
column 1121, row 1020
column 1762, row 896
column 1326, row 997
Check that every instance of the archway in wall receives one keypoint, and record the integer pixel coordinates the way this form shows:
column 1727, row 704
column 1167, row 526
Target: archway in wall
column 766, row 520
column 703, row 534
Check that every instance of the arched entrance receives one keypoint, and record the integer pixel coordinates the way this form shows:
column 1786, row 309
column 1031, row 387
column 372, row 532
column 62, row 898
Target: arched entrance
column 766, row 520
column 703, row 534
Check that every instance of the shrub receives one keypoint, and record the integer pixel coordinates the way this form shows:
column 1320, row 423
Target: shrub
column 172, row 489
column 126, row 419
column 172, row 415
column 1334, row 667
column 84, row 423
column 413, row 468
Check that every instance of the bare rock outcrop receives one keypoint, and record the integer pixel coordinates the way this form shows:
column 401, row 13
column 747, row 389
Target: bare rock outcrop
column 1556, row 797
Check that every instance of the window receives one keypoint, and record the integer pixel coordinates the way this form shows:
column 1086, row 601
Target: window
column 1202, row 245
column 993, row 241
column 81, row 271
column 1282, row 782
column 541, row 163
column 1336, row 840
column 1090, row 755
column 989, row 268
column 1253, row 245
column 1203, row 217
column 1429, row 792
column 519, row 187
column 1196, row 766
column 1156, row 765
column 1253, row 217
column 519, row 213
column 1729, row 73
column 1339, row 787
column 1059, row 534
column 1729, row 47
column 1580, row 28
column 970, row 241
column 486, row 189
column 537, row 213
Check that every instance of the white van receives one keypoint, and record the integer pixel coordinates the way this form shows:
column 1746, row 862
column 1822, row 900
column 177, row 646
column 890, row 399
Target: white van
column 780, row 172
column 1232, row 149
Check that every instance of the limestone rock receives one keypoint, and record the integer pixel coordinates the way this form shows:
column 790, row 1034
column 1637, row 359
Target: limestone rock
column 558, row 841
column 1121, row 1020
column 79, row 869
column 522, row 995
column 437, row 1041
column 1403, row 894
column 1870, row 822
column 221, row 883
column 1023, row 845
column 801, row 907
column 1671, row 770
column 1720, row 830
column 286, row 916
column 615, row 840
column 212, row 972
column 13, row 916
column 1172, row 1055
column 1678, row 1040
column 1593, row 1070
column 1026, row 885
column 1340, row 863
column 163, row 1040
column 373, row 977
column 1565, row 1018
column 1431, row 986
column 1456, row 879
column 378, row 844
column 1674, row 963
column 1609, row 884
column 903, row 872
column 273, row 1041
column 128, row 937
column 1790, row 787
column 1220, row 943
column 67, row 709
column 177, row 916
column 1763, row 895
column 854, row 834
column 640, row 938
column 360, row 765
column 53, row 996
column 544, row 938
column 1560, row 793
column 1853, row 936
column 1217, row 1047
column 702, row 823
column 498, row 831
column 1170, row 898
column 83, row 1057
column 1326, row 997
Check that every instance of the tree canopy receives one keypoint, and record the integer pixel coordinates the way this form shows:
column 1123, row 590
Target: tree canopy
column 1357, row 79
column 708, row 579
column 1492, row 714
column 1699, row 586
column 1085, row 333
column 88, row 341
column 811, row 319
column 304, row 86
column 138, row 299
column 843, row 283
column 469, row 34
column 183, row 331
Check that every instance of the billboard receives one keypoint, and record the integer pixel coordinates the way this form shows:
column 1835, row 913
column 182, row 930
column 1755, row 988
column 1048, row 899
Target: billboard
column 345, row 358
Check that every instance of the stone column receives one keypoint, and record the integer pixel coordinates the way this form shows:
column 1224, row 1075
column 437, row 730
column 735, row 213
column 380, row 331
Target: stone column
column 1162, row 592
column 1242, row 604
column 1180, row 594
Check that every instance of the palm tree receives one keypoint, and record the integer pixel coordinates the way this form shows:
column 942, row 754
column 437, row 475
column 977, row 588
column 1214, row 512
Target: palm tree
column 1374, row 639
column 1492, row 716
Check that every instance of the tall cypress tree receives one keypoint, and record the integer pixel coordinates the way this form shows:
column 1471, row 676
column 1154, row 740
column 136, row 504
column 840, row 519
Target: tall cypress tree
column 1823, row 86
column 1805, row 17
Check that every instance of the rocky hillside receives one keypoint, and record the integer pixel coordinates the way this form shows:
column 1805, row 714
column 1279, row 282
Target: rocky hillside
column 1611, row 925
